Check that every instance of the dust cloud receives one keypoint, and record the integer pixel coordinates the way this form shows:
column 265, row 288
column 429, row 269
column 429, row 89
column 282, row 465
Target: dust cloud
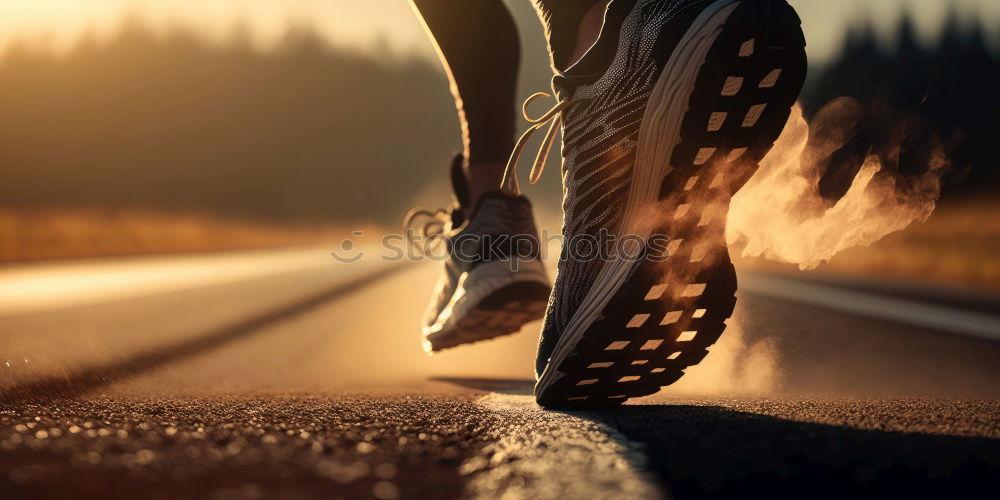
column 780, row 215
column 735, row 366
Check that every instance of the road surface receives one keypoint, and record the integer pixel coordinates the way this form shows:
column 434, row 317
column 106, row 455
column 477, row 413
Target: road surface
column 284, row 375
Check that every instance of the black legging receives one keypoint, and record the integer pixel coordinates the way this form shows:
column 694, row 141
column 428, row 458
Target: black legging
column 480, row 49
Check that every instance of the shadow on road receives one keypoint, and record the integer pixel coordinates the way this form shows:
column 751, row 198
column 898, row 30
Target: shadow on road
column 518, row 387
column 718, row 452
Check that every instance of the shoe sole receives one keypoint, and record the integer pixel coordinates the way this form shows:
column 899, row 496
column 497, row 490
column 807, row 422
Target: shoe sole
column 500, row 312
column 721, row 102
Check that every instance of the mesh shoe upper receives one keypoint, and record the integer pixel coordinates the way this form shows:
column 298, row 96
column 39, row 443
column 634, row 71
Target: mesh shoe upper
column 600, row 132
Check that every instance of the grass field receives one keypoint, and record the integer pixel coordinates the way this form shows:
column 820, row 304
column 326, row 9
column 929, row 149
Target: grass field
column 27, row 235
column 959, row 244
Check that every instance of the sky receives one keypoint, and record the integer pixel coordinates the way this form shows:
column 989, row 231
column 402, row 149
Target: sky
column 368, row 23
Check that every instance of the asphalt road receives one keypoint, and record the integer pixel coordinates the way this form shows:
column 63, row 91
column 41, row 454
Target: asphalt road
column 308, row 381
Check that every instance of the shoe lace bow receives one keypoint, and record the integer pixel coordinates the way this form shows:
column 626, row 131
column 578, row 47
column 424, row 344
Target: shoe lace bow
column 429, row 224
column 424, row 227
column 552, row 118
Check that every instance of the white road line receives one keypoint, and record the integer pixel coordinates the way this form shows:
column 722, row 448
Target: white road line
column 542, row 454
column 908, row 312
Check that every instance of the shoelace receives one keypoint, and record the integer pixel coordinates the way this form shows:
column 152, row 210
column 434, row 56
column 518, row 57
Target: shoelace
column 437, row 223
column 438, row 220
column 552, row 117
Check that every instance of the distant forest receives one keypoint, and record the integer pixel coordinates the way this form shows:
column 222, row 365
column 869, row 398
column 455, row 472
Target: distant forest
column 946, row 94
column 308, row 133
column 313, row 133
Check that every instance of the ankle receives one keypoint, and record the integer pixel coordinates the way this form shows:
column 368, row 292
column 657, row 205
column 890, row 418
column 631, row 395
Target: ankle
column 589, row 30
column 482, row 178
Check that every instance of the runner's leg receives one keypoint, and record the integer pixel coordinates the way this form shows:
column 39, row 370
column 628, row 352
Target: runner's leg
column 479, row 47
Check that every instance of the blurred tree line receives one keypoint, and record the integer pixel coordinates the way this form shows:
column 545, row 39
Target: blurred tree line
column 306, row 133
column 313, row 133
column 915, row 96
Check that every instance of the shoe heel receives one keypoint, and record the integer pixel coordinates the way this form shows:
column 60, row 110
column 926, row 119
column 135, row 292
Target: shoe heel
column 780, row 21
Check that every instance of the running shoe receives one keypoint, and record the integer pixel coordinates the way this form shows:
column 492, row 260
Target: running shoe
column 663, row 120
column 493, row 280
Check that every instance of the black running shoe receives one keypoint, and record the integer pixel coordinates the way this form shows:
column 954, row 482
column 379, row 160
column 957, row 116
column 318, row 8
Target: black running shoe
column 493, row 281
column 663, row 120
